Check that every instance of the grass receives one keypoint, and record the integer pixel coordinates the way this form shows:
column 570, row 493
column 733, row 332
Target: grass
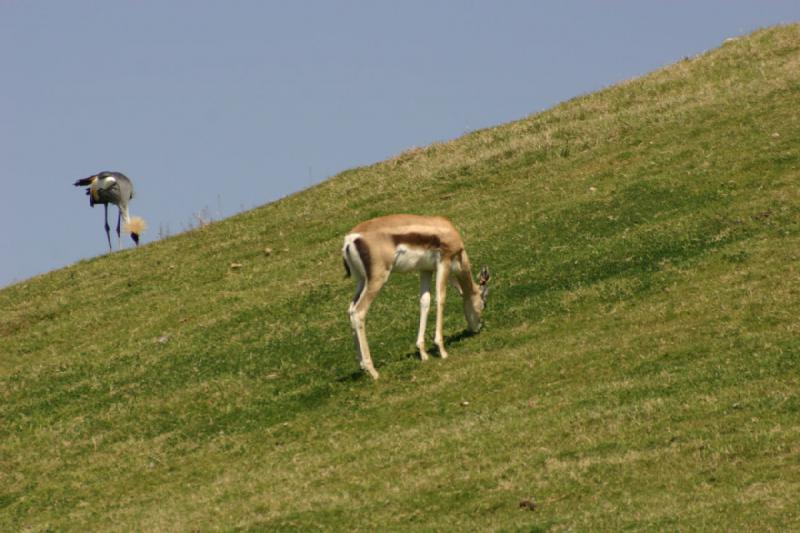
column 639, row 368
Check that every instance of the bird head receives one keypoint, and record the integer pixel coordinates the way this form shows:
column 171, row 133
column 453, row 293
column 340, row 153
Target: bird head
column 135, row 226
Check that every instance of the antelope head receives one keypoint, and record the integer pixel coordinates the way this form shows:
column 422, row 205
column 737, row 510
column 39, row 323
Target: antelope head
column 475, row 303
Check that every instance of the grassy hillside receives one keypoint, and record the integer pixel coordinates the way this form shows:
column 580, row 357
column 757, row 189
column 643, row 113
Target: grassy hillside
column 639, row 368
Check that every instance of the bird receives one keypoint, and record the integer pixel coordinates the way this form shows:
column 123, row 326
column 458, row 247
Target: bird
column 113, row 188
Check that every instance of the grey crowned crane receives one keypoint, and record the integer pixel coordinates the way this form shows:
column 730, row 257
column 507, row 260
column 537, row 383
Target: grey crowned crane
column 113, row 188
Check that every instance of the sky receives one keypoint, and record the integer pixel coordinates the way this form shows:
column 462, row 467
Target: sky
column 212, row 108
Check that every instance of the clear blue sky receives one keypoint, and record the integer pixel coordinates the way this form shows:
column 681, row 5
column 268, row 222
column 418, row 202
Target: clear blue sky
column 224, row 106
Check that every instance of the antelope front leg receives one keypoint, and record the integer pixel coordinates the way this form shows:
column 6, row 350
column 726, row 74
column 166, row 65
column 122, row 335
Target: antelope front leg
column 424, row 308
column 442, row 271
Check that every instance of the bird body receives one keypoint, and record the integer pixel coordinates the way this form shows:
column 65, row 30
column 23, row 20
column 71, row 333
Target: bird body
column 112, row 188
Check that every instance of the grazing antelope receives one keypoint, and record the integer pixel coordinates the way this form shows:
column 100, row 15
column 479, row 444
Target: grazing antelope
column 113, row 188
column 410, row 243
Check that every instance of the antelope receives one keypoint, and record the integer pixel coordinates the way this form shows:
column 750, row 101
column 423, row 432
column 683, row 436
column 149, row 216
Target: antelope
column 410, row 243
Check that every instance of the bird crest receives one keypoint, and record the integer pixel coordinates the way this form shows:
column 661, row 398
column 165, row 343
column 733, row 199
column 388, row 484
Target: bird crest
column 136, row 225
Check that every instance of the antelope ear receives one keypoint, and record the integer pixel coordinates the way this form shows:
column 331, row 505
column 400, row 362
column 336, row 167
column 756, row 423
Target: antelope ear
column 483, row 277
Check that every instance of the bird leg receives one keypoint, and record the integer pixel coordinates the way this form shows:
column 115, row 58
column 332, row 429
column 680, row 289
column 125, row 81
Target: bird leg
column 119, row 239
column 108, row 228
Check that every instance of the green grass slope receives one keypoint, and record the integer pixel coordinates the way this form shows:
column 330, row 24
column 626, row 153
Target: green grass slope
column 639, row 368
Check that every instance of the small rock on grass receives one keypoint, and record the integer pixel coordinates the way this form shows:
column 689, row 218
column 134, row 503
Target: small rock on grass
column 528, row 504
